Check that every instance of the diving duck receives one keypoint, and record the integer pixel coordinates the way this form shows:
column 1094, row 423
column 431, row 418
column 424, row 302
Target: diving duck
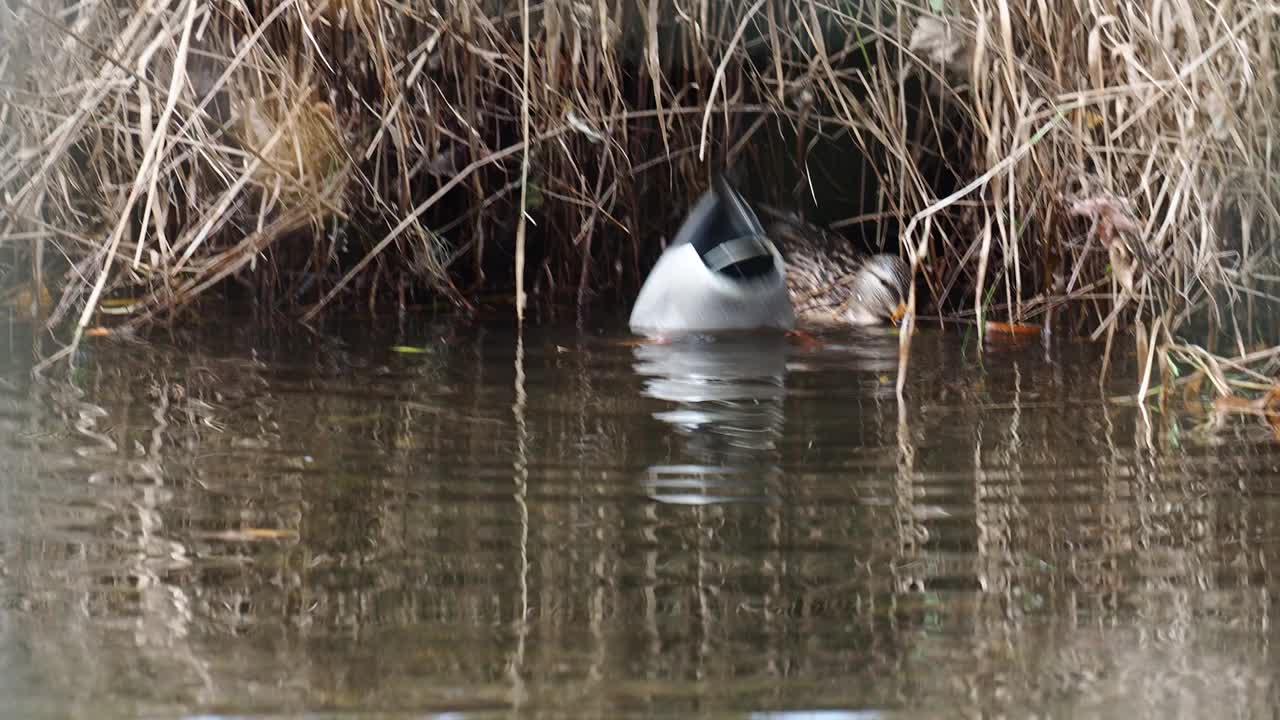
column 723, row 272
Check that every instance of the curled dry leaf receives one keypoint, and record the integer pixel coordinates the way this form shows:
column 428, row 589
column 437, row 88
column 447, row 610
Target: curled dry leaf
column 1107, row 209
column 1267, row 405
column 1122, row 264
column 1271, row 409
column 1110, row 218
column 939, row 41
column 1012, row 329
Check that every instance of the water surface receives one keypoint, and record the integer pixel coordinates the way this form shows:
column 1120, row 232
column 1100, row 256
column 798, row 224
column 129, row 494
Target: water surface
column 435, row 518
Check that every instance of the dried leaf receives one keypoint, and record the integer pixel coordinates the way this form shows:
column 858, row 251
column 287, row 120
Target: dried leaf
column 1110, row 217
column 937, row 40
column 1012, row 328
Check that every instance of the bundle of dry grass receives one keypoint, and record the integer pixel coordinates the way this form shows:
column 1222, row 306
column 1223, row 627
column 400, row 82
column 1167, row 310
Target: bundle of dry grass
column 153, row 163
column 1112, row 158
column 1123, row 159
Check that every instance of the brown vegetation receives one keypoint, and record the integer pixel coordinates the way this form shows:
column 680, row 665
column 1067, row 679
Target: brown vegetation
column 1113, row 158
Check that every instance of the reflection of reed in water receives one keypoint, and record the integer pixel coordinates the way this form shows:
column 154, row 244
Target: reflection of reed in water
column 1065, row 517
column 974, row 551
column 92, row 530
column 191, row 494
column 728, row 395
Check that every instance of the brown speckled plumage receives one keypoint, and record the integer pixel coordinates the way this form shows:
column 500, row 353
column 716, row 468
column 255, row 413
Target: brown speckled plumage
column 829, row 283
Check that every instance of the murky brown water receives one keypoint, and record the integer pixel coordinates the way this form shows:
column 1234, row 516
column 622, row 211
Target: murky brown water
column 254, row 523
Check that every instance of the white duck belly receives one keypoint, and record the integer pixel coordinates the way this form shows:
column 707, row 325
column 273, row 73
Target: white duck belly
column 683, row 294
column 720, row 273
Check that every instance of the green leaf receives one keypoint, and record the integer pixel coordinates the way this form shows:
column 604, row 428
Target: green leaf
column 408, row 349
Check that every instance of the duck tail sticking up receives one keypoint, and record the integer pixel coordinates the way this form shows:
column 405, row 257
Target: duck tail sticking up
column 737, row 246
column 720, row 273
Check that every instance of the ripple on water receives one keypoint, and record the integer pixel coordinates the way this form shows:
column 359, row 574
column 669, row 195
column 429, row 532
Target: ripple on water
column 241, row 523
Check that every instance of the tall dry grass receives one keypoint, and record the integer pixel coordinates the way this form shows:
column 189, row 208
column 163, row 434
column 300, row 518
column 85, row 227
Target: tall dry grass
column 1089, row 166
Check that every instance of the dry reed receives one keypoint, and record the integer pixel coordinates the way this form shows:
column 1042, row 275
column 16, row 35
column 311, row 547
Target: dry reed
column 1112, row 159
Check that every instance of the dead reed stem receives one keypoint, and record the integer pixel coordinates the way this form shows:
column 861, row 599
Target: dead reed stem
column 522, row 220
column 1024, row 156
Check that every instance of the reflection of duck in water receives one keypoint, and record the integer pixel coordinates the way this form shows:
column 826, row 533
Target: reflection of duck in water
column 726, row 409
column 725, row 369
column 722, row 272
